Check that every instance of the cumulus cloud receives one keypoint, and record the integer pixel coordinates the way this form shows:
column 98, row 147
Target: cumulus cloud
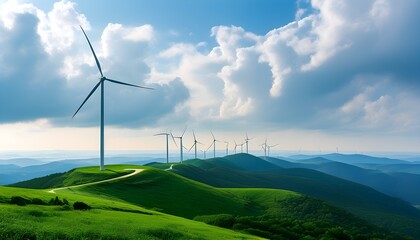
column 339, row 65
column 47, row 70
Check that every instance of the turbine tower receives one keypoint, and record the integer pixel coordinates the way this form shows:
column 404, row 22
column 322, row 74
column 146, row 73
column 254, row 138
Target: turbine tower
column 213, row 144
column 167, row 144
column 264, row 147
column 180, row 144
column 227, row 148
column 236, row 145
column 242, row 147
column 101, row 83
column 195, row 146
column 204, row 153
column 246, row 141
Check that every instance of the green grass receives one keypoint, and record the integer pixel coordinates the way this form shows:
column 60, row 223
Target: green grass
column 47, row 222
column 109, row 219
column 170, row 193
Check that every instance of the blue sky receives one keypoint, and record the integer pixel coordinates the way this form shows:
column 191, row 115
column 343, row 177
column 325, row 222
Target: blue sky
column 312, row 75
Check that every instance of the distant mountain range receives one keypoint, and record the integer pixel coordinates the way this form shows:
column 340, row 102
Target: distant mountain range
column 21, row 169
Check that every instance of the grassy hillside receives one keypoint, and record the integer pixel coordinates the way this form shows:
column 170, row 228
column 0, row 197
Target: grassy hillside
column 363, row 201
column 172, row 194
column 108, row 219
column 264, row 212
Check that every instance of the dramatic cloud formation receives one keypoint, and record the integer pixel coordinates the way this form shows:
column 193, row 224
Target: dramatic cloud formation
column 340, row 66
column 47, row 70
column 344, row 66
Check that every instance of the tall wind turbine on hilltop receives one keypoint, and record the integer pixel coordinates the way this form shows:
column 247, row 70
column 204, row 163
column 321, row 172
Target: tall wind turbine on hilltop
column 204, row 152
column 264, row 147
column 214, row 144
column 195, row 145
column 268, row 149
column 236, row 145
column 207, row 150
column 246, row 141
column 167, row 144
column 227, row 148
column 180, row 144
column 242, row 147
column 101, row 83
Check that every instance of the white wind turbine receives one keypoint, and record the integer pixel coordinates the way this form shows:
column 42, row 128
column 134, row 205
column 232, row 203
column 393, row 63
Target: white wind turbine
column 195, row 145
column 101, row 83
column 242, row 147
column 246, row 141
column 227, row 148
column 268, row 149
column 213, row 144
column 264, row 147
column 180, row 144
column 236, row 145
column 204, row 152
column 167, row 144
column 207, row 150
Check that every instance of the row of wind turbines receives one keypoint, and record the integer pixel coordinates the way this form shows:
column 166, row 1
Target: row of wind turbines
column 265, row 147
column 101, row 84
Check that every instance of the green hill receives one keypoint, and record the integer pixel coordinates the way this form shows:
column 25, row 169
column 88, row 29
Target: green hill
column 367, row 203
column 108, row 219
column 270, row 213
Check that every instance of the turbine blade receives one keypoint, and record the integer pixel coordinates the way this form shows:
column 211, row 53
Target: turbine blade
column 212, row 134
column 127, row 84
column 210, row 146
column 93, row 51
column 160, row 134
column 90, row 94
column 194, row 136
column 191, row 147
column 185, row 129
column 173, row 139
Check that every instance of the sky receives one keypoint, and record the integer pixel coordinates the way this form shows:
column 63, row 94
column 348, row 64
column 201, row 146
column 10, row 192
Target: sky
column 320, row 75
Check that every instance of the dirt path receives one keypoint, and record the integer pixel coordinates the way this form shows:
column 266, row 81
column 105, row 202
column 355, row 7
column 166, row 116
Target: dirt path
column 170, row 168
column 136, row 171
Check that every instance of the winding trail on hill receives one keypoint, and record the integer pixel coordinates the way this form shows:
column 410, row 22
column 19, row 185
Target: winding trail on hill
column 136, row 171
column 170, row 168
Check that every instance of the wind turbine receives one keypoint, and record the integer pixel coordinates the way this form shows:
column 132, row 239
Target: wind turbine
column 242, row 147
column 180, row 143
column 227, row 148
column 268, row 149
column 207, row 150
column 236, row 145
column 195, row 146
column 204, row 153
column 264, row 147
column 213, row 144
column 101, row 83
column 167, row 144
column 246, row 141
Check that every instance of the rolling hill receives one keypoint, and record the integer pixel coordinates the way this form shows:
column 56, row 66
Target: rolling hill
column 358, row 199
column 397, row 184
column 351, row 158
column 263, row 212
